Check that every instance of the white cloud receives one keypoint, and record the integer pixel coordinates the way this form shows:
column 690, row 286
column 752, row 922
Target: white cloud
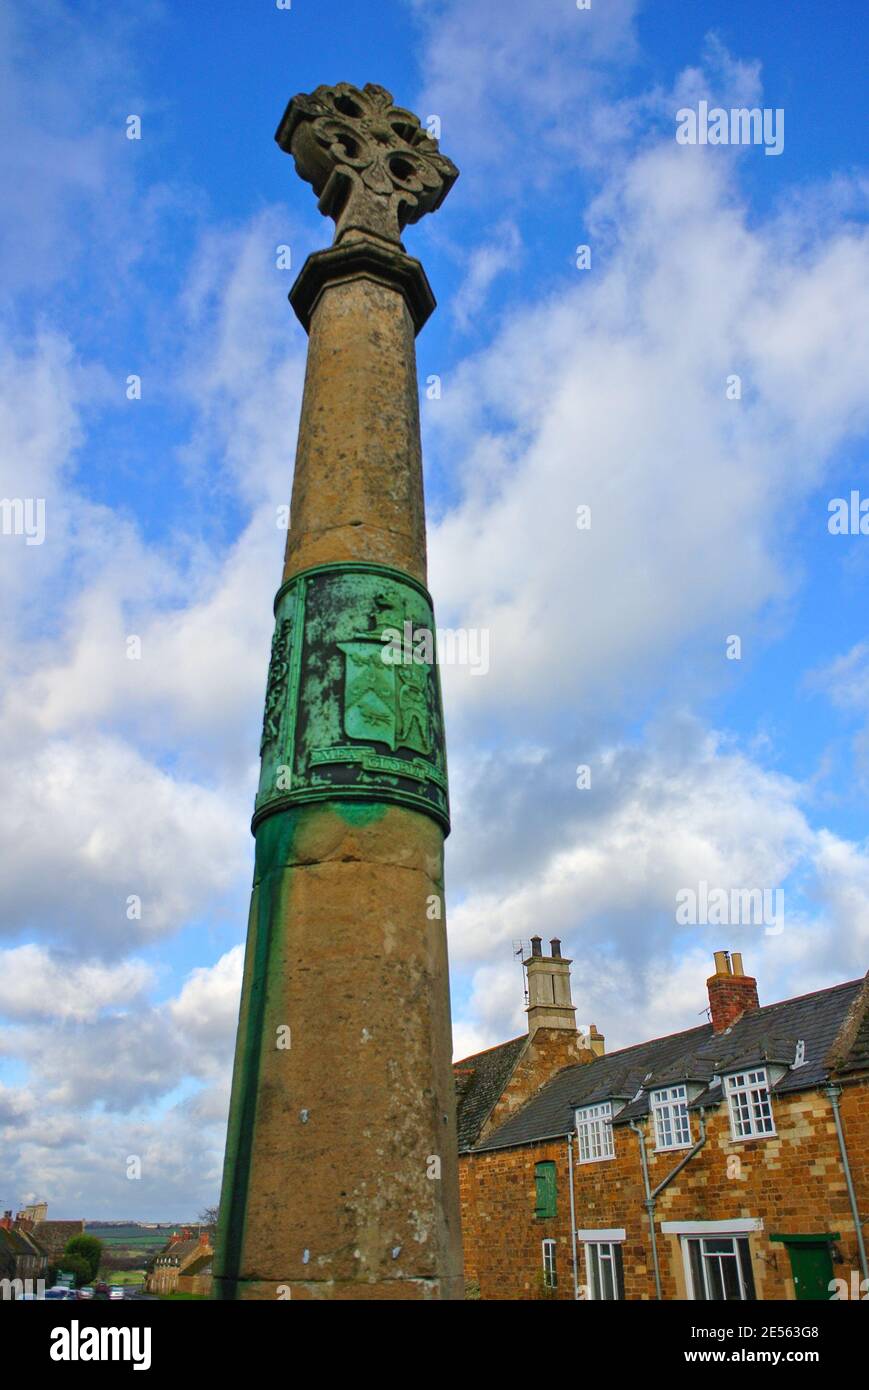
column 604, row 880
column 514, row 83
column 67, row 1133
column 36, row 984
column 118, row 827
column 501, row 252
column 846, row 679
column 612, row 394
column 206, row 1010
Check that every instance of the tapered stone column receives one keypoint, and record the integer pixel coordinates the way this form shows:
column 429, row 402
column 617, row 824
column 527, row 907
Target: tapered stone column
column 340, row 1179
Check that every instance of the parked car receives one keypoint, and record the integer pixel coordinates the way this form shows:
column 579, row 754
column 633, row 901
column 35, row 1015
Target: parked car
column 60, row 1291
column 86, row 1291
column 116, row 1291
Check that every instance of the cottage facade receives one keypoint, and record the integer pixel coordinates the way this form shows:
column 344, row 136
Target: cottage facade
column 22, row 1260
column 182, row 1266
column 729, row 1161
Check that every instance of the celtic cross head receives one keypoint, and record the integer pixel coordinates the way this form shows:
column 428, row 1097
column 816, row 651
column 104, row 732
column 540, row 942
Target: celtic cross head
column 372, row 165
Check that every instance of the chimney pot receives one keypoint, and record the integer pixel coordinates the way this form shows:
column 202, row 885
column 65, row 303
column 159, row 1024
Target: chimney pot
column 536, row 944
column 736, row 963
column 555, row 946
column 722, row 962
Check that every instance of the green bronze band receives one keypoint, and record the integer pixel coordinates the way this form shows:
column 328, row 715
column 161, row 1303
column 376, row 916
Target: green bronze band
column 353, row 703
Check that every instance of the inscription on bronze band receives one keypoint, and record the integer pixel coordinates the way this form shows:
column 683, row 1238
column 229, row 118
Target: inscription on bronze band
column 352, row 710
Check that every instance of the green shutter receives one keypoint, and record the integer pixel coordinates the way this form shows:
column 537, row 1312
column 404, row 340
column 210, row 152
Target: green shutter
column 544, row 1190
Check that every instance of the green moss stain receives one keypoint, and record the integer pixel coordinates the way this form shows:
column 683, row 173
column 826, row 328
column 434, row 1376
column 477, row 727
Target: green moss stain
column 359, row 813
column 275, row 862
column 274, row 848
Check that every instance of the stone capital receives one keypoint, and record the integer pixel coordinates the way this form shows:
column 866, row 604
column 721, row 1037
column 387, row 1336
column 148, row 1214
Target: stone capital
column 363, row 259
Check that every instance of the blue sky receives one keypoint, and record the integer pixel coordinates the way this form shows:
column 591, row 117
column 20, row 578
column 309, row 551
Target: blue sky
column 560, row 387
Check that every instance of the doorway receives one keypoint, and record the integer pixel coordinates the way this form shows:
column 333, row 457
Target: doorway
column 811, row 1260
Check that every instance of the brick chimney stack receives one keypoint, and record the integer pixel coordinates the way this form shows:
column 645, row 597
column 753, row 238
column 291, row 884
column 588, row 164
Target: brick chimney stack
column 6, row 1221
column 732, row 993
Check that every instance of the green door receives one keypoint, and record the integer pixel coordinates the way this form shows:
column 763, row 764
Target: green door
column 812, row 1266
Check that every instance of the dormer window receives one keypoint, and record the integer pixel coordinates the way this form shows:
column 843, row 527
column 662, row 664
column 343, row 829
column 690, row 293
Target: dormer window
column 594, row 1125
column 750, row 1106
column 670, row 1111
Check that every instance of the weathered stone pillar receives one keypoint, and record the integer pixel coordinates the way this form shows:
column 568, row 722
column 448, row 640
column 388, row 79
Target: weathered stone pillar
column 340, row 1179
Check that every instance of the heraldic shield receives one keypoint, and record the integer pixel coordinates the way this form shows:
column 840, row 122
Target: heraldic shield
column 384, row 701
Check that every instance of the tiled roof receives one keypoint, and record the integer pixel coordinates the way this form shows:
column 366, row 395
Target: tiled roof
column 480, row 1079
column 19, row 1242
column 182, row 1249
column 53, row 1235
column 767, row 1034
column 851, row 1053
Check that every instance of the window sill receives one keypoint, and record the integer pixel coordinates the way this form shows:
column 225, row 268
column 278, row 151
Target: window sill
column 752, row 1138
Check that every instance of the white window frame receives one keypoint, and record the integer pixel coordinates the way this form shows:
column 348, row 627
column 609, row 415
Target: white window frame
column 550, row 1267
column 669, row 1106
column 608, row 1237
column 717, row 1234
column 749, row 1103
column 594, row 1131
column 599, row 1251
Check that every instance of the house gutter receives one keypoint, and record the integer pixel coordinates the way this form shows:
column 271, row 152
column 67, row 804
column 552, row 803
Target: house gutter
column 569, row 1137
column 833, row 1093
column 652, row 1194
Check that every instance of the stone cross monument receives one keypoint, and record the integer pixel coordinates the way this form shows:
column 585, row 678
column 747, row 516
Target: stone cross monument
column 340, row 1178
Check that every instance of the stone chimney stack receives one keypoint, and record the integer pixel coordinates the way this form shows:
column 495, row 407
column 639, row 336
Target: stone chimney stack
column 732, row 993
column 549, row 1001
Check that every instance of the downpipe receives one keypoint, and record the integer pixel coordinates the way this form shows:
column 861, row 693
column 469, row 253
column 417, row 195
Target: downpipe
column 569, row 1137
column 833, row 1093
column 652, row 1194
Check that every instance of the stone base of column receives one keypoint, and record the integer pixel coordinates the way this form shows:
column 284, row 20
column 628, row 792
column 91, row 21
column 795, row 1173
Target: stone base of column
column 341, row 1153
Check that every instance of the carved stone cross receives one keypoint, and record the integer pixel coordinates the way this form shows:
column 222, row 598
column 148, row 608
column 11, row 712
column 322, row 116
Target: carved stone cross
column 372, row 165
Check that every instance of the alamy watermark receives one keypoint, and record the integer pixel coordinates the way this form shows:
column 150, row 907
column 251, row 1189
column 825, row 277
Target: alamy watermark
column 23, row 516
column 742, row 125
column 419, row 646
column 735, row 907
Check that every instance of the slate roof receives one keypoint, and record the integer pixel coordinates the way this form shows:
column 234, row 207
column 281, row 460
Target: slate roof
column 769, row 1034
column 480, row 1079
